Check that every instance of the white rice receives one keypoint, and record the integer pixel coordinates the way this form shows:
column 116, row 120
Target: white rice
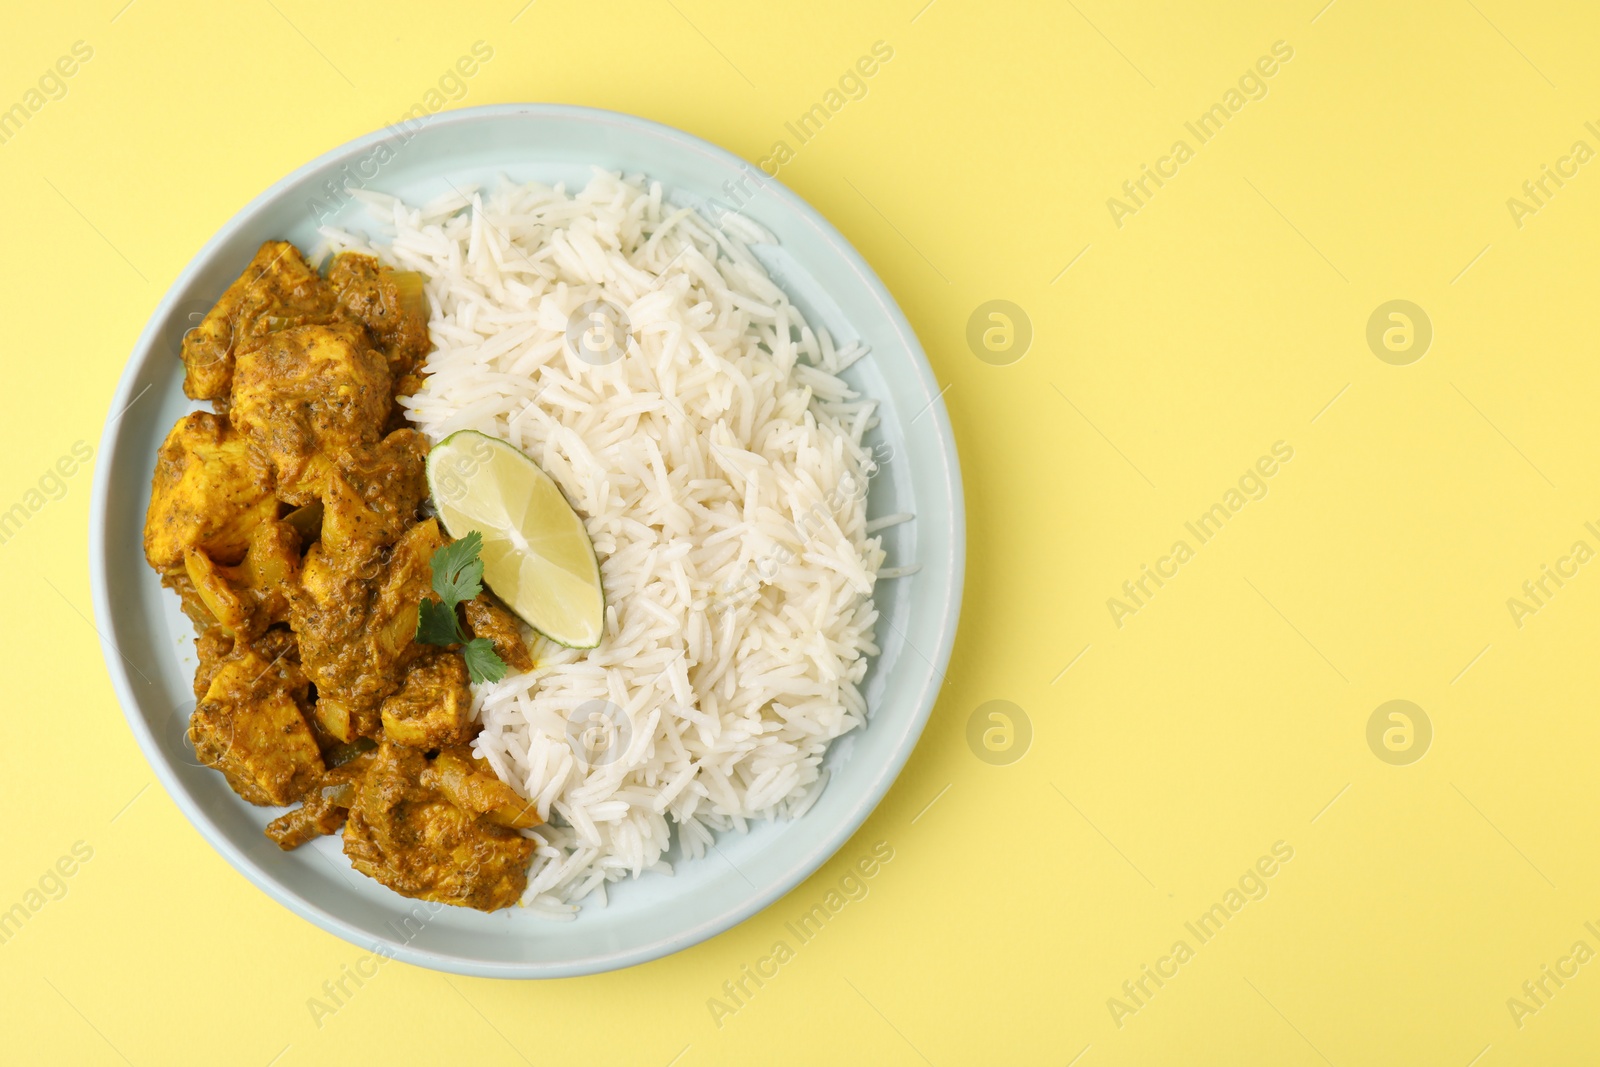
column 720, row 469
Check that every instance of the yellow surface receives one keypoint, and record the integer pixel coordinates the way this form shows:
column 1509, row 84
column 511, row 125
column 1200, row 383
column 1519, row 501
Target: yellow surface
column 1229, row 713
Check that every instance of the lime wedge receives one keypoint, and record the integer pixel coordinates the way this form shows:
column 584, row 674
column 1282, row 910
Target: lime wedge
column 536, row 554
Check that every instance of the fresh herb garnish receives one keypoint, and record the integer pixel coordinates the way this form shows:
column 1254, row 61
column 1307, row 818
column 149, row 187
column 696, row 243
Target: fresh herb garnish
column 457, row 578
column 483, row 662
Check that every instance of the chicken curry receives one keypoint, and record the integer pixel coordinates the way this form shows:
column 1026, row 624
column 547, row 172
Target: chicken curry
column 289, row 520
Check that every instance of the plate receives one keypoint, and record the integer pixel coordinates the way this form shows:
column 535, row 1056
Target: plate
column 148, row 644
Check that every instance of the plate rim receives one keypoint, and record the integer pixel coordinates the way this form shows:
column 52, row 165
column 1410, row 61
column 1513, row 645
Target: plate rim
column 946, row 459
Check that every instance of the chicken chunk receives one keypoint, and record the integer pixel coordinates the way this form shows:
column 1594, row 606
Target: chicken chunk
column 373, row 495
column 277, row 290
column 407, row 580
column 209, row 492
column 250, row 725
column 488, row 619
column 415, row 841
column 391, row 304
column 306, row 395
column 212, row 648
column 433, row 708
column 328, row 613
column 356, row 628
column 247, row 599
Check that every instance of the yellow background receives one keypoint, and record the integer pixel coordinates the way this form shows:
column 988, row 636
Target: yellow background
column 1225, row 716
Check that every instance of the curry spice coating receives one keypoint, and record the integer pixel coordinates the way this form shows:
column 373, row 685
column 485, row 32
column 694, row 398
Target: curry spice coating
column 289, row 522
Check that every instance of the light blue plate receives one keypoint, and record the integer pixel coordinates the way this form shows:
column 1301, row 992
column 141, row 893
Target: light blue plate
column 149, row 643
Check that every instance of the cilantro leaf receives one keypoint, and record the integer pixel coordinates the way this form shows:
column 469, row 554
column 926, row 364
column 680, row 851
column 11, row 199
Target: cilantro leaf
column 457, row 570
column 483, row 662
column 458, row 577
column 437, row 624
